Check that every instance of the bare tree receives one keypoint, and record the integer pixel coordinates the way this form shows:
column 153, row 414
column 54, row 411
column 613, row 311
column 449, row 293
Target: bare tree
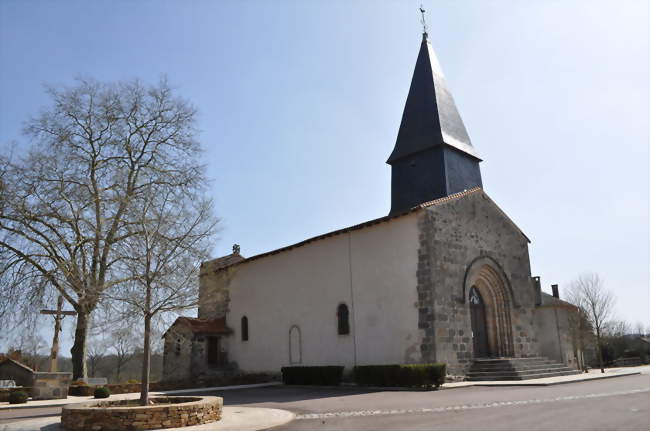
column 163, row 261
column 97, row 349
column 580, row 332
column 588, row 293
column 616, row 328
column 124, row 345
column 638, row 328
column 66, row 205
column 31, row 345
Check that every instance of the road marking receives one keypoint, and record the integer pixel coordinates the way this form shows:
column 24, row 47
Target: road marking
column 357, row 413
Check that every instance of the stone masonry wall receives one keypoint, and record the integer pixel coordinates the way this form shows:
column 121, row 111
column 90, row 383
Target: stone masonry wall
column 177, row 357
column 51, row 386
column 122, row 416
column 452, row 235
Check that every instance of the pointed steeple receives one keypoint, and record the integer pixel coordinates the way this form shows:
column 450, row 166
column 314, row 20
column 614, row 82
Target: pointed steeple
column 433, row 156
column 430, row 115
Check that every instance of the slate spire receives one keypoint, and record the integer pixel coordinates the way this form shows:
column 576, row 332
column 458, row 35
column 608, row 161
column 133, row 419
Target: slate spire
column 433, row 156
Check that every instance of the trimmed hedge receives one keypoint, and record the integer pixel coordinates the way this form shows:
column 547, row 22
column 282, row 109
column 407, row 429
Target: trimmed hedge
column 102, row 392
column 317, row 375
column 18, row 397
column 86, row 391
column 80, row 390
column 411, row 375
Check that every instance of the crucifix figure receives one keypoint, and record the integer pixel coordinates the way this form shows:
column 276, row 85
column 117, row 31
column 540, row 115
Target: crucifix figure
column 59, row 314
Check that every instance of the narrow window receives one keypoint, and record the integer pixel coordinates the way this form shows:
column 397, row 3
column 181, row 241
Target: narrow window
column 178, row 346
column 213, row 351
column 343, row 315
column 295, row 345
column 244, row 328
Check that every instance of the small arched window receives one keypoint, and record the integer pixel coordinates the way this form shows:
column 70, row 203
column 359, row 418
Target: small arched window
column 244, row 328
column 343, row 317
column 295, row 345
column 178, row 347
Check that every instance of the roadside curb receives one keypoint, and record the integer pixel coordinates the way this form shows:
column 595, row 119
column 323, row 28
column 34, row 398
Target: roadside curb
column 179, row 391
column 220, row 388
column 563, row 382
column 233, row 419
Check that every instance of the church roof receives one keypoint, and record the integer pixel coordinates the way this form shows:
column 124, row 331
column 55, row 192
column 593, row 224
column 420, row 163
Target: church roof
column 430, row 115
column 220, row 263
column 552, row 301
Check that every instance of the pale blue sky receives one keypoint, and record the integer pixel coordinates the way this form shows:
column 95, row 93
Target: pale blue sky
column 300, row 103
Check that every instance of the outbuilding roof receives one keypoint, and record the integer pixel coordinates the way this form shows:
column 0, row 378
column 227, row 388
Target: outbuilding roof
column 203, row 326
column 13, row 361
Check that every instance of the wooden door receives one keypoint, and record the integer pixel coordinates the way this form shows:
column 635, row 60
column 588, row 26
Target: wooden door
column 479, row 327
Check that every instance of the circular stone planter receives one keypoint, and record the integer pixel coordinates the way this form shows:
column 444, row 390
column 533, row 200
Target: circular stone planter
column 128, row 415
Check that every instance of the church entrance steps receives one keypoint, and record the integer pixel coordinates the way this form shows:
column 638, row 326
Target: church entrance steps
column 517, row 369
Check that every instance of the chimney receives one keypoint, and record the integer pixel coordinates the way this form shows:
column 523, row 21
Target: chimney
column 556, row 292
column 537, row 284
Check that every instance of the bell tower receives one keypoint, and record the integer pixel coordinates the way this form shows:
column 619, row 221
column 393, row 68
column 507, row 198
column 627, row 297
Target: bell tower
column 433, row 156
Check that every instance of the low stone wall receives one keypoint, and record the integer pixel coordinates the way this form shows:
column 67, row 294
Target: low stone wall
column 50, row 386
column 126, row 415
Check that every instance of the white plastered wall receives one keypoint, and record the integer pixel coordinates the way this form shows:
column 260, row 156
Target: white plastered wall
column 372, row 270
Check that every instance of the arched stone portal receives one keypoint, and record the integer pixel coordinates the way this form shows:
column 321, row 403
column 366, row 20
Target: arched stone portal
column 488, row 279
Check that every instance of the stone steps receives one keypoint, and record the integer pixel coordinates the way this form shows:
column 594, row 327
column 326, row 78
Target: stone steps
column 517, row 369
column 529, row 377
column 517, row 373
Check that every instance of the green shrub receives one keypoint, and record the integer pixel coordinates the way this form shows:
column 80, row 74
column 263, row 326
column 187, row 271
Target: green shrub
column 18, row 397
column 102, row 392
column 317, row 375
column 412, row 375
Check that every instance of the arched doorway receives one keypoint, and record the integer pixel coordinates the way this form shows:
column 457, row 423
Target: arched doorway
column 479, row 327
column 490, row 302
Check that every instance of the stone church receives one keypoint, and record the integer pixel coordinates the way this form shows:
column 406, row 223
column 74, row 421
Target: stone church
column 445, row 276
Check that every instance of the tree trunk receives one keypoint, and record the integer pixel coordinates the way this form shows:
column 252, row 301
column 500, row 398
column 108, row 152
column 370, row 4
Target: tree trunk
column 146, row 356
column 600, row 351
column 78, row 351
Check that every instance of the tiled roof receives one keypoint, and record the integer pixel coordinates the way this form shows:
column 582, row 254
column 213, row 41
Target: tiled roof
column 232, row 260
column 450, row 197
column 222, row 262
column 552, row 301
column 204, row 326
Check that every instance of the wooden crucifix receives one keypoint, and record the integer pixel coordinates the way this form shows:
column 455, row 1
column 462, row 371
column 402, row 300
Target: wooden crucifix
column 59, row 314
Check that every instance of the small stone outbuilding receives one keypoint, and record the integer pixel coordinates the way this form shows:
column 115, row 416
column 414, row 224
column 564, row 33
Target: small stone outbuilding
column 194, row 348
column 11, row 369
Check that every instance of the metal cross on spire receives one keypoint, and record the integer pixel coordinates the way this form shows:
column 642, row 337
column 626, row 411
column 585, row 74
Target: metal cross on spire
column 423, row 21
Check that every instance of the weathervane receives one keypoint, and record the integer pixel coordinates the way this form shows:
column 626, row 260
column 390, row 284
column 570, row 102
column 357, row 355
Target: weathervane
column 423, row 21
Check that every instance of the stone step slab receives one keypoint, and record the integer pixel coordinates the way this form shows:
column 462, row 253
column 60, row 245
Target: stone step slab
column 517, row 369
column 528, row 377
column 519, row 373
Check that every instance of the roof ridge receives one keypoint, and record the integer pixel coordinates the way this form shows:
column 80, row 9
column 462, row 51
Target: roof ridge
column 449, row 197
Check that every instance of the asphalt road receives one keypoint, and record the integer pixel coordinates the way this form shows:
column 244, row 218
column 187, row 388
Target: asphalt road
column 621, row 403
